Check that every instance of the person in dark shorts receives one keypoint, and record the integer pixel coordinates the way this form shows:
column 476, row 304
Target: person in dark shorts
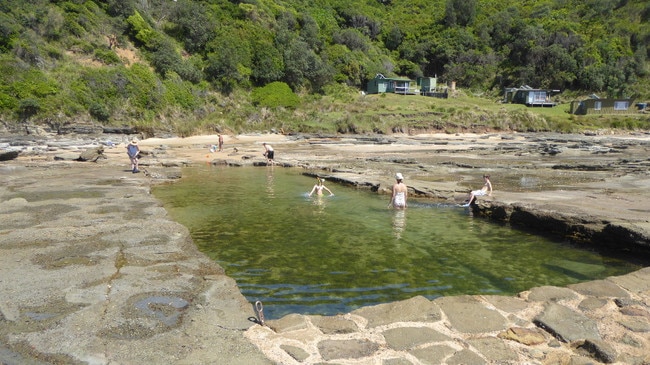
column 268, row 153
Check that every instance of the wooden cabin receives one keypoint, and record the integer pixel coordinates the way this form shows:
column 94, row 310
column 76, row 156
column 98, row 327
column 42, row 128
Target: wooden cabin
column 429, row 87
column 530, row 97
column 427, row 84
column 595, row 105
column 381, row 84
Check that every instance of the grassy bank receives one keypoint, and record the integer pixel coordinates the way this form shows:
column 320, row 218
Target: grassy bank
column 346, row 111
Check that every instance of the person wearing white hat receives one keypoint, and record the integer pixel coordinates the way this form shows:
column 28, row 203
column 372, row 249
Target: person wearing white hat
column 133, row 150
column 400, row 192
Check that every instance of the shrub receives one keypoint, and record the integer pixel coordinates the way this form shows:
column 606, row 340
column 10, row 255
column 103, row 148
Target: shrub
column 28, row 108
column 7, row 102
column 9, row 31
column 99, row 112
column 275, row 94
column 179, row 92
column 141, row 30
column 107, row 56
column 143, row 88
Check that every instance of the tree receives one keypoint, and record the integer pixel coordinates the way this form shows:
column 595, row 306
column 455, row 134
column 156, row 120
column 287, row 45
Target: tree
column 460, row 12
column 193, row 26
column 267, row 63
column 302, row 67
column 228, row 61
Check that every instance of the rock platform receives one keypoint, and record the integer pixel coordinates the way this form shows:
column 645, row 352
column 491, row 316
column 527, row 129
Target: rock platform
column 95, row 272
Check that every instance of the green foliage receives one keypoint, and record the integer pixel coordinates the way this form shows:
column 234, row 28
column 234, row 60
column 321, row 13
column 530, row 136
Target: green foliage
column 142, row 31
column 267, row 64
column 107, row 56
column 28, row 108
column 179, row 92
column 460, row 12
column 275, row 94
column 99, row 112
column 190, row 62
column 9, row 31
column 33, row 83
column 143, row 88
column 193, row 26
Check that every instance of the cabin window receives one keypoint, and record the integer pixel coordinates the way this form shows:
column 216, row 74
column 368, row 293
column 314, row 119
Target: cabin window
column 621, row 105
column 598, row 105
column 539, row 96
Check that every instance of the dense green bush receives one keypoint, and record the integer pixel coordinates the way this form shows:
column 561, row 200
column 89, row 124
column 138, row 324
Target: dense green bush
column 275, row 94
column 28, row 107
column 107, row 56
column 142, row 31
column 99, row 112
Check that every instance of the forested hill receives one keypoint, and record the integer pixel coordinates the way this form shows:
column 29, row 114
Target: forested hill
column 171, row 62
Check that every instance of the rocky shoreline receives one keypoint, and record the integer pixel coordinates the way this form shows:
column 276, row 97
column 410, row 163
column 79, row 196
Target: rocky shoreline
column 96, row 273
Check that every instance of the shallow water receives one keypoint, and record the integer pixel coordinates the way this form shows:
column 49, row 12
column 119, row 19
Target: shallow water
column 330, row 255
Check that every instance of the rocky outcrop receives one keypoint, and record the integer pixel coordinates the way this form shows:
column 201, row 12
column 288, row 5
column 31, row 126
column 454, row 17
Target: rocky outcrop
column 9, row 155
column 574, row 226
column 543, row 325
column 92, row 154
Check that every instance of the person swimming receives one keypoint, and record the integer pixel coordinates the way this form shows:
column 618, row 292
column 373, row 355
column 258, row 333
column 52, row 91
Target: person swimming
column 319, row 187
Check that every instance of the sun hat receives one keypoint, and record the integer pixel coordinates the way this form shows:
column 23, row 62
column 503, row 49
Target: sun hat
column 134, row 141
column 398, row 176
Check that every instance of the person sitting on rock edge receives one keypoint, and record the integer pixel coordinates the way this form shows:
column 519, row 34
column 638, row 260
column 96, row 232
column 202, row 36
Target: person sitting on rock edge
column 485, row 190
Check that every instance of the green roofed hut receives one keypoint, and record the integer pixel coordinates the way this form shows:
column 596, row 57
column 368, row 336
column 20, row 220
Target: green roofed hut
column 381, row 84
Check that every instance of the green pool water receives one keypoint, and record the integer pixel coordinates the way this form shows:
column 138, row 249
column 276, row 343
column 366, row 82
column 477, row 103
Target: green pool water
column 332, row 255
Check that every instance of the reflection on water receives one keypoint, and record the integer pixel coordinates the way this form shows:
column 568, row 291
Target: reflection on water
column 399, row 222
column 327, row 255
column 270, row 190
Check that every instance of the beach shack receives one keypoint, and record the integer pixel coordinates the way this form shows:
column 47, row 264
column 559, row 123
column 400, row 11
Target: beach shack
column 530, row 97
column 382, row 84
column 429, row 87
column 596, row 105
column 427, row 84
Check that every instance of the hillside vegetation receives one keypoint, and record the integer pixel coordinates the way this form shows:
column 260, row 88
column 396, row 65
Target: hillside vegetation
column 190, row 66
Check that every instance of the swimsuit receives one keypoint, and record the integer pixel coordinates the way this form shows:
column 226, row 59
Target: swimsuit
column 400, row 199
column 481, row 192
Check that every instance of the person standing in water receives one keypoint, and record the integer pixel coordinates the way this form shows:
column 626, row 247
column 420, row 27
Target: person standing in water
column 400, row 192
column 268, row 153
column 485, row 190
column 319, row 187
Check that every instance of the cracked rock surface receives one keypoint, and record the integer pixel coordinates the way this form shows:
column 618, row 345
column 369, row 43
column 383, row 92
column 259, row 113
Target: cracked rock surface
column 95, row 272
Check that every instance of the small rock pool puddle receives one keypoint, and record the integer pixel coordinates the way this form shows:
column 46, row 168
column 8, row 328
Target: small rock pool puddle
column 328, row 255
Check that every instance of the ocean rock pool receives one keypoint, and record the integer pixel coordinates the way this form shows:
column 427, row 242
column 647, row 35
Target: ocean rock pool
column 328, row 255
